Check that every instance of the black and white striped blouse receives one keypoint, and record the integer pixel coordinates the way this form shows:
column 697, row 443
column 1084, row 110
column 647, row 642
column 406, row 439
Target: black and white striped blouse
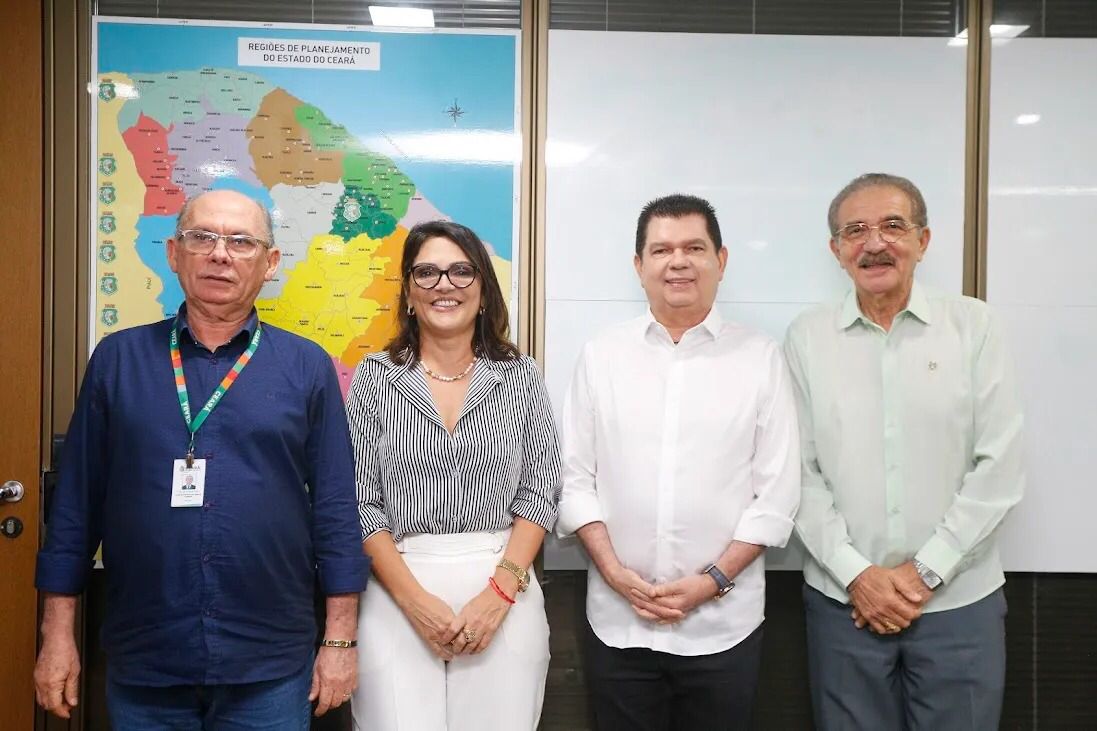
column 413, row 476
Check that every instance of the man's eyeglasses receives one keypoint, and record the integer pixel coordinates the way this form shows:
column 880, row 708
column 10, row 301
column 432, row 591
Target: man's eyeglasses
column 890, row 231
column 238, row 246
column 460, row 274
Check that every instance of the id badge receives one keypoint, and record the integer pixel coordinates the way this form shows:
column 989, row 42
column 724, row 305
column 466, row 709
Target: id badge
column 188, row 484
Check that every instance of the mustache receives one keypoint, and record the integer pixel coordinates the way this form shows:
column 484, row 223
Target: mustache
column 869, row 260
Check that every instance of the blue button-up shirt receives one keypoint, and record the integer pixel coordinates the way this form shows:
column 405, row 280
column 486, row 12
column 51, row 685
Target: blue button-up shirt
column 223, row 593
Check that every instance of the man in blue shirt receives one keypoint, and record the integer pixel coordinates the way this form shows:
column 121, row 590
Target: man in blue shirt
column 215, row 531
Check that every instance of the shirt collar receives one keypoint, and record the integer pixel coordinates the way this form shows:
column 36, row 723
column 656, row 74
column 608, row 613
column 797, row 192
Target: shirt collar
column 850, row 312
column 711, row 325
column 248, row 327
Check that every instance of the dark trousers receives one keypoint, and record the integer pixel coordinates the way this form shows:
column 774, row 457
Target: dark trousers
column 945, row 673
column 636, row 689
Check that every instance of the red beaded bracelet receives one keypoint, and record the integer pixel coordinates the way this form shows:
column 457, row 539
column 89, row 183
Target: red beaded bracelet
column 500, row 592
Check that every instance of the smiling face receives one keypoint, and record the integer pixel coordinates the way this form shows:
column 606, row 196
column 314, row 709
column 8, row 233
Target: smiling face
column 445, row 310
column 680, row 268
column 216, row 279
column 880, row 270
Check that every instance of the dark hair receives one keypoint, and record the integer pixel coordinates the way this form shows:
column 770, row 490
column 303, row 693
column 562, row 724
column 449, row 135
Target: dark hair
column 677, row 205
column 491, row 338
column 879, row 180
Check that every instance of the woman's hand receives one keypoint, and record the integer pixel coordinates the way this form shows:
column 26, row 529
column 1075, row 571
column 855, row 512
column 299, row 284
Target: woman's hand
column 432, row 619
column 472, row 630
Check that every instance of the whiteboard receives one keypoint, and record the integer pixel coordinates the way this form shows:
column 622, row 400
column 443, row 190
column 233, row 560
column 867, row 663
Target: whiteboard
column 1042, row 281
column 768, row 129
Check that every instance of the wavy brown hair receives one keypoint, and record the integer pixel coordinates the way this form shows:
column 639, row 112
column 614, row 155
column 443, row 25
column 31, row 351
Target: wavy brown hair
column 491, row 338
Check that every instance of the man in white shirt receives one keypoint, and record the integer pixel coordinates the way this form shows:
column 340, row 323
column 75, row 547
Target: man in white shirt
column 681, row 465
column 910, row 431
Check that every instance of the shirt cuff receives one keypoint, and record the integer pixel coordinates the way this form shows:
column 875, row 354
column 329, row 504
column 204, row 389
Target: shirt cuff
column 61, row 574
column 577, row 510
column 541, row 513
column 372, row 520
column 347, row 575
column 763, row 528
column 846, row 564
column 940, row 557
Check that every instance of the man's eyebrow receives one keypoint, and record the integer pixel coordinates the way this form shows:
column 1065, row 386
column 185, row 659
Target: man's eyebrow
column 888, row 217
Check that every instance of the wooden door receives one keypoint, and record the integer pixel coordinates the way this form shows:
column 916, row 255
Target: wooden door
column 21, row 226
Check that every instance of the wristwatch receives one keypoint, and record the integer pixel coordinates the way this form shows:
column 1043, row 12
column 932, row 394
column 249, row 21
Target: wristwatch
column 723, row 583
column 928, row 576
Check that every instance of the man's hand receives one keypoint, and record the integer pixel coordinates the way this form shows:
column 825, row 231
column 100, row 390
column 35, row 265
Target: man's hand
column 57, row 675
column 334, row 677
column 57, row 672
column 641, row 595
column 882, row 602
column 685, row 594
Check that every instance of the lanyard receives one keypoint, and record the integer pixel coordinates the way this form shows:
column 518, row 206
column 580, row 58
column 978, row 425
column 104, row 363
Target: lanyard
column 226, row 383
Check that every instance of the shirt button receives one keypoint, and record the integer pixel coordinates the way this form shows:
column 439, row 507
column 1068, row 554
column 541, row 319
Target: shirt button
column 208, row 612
column 894, row 510
column 206, row 558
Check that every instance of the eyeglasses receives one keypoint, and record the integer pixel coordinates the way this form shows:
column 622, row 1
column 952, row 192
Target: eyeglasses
column 460, row 274
column 890, row 231
column 238, row 246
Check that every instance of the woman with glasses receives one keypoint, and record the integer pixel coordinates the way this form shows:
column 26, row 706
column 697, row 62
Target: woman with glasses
column 457, row 469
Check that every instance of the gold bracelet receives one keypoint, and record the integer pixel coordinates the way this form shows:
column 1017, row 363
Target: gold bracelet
column 519, row 573
column 339, row 643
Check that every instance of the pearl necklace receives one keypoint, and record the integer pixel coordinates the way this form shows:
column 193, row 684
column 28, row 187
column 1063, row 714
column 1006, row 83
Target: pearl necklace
column 449, row 379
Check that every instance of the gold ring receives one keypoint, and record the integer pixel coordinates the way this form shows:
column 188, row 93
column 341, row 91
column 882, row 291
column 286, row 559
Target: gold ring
column 470, row 635
column 891, row 627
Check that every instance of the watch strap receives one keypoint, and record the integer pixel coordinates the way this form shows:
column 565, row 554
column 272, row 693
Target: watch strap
column 723, row 583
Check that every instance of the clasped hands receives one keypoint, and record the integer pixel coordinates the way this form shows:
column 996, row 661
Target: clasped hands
column 667, row 603
column 887, row 601
column 467, row 632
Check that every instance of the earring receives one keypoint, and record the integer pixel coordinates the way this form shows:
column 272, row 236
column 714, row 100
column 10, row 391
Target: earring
column 411, row 311
column 481, row 310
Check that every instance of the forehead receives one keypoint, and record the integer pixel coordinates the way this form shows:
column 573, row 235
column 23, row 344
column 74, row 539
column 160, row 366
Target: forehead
column 440, row 250
column 666, row 230
column 226, row 210
column 875, row 204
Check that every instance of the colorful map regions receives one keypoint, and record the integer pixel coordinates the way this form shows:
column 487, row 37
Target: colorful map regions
column 176, row 114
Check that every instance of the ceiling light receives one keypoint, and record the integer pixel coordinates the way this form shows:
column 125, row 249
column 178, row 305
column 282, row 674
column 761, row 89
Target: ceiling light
column 401, row 17
column 1027, row 118
column 1000, row 32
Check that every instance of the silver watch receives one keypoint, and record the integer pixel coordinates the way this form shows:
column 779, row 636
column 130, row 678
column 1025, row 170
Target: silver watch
column 928, row 576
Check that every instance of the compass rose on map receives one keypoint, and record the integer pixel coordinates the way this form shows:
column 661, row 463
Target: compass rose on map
column 454, row 112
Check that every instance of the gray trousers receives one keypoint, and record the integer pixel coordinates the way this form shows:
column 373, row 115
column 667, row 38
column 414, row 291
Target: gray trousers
column 947, row 671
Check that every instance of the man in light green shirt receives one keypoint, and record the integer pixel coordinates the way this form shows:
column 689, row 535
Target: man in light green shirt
column 911, row 457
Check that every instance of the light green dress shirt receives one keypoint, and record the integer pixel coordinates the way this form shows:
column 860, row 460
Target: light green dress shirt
column 910, row 443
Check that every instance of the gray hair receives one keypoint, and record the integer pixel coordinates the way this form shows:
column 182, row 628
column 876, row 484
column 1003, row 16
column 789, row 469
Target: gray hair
column 184, row 214
column 875, row 180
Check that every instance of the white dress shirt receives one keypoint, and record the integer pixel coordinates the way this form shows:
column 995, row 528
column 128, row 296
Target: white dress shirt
column 911, row 443
column 680, row 449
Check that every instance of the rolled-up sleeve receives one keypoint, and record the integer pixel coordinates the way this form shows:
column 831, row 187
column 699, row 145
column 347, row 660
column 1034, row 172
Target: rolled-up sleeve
column 365, row 433
column 539, row 480
column 341, row 565
column 775, row 469
column 579, row 503
column 74, row 529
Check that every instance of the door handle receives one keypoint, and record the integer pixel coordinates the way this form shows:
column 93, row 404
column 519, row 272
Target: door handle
column 12, row 491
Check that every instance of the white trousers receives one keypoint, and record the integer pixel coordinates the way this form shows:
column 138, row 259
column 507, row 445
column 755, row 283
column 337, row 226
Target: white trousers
column 403, row 686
